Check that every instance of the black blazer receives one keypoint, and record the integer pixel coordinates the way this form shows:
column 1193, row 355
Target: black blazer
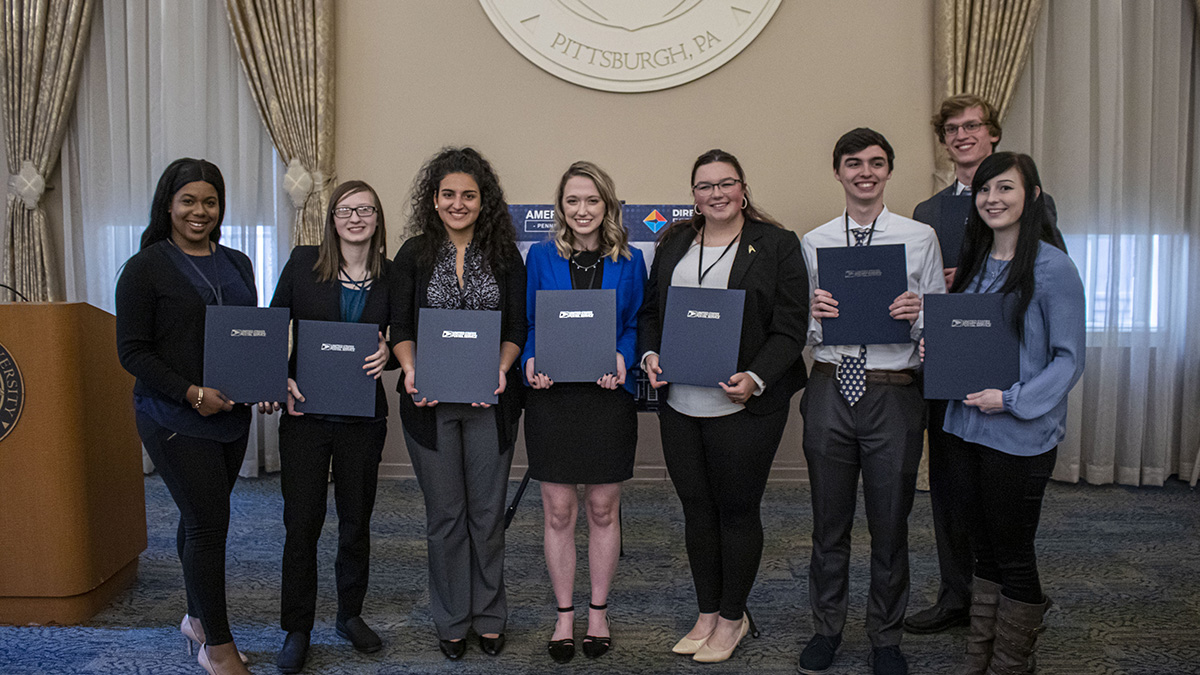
column 412, row 286
column 309, row 299
column 160, row 323
column 775, row 318
column 927, row 212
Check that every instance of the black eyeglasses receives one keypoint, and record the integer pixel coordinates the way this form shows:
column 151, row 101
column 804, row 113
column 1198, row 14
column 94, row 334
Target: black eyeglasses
column 969, row 127
column 362, row 211
column 705, row 189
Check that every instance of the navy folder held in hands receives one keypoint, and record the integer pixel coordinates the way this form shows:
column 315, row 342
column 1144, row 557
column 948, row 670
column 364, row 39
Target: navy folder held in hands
column 864, row 280
column 702, row 331
column 458, row 355
column 970, row 345
column 330, row 356
column 576, row 334
column 246, row 352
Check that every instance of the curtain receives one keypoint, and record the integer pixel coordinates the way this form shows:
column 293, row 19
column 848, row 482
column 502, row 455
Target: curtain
column 979, row 47
column 287, row 52
column 43, row 43
column 1109, row 107
column 161, row 80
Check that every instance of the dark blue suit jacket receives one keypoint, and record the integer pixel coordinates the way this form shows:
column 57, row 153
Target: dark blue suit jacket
column 549, row 271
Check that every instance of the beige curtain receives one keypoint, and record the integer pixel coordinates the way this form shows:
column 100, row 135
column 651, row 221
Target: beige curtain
column 979, row 48
column 286, row 48
column 43, row 46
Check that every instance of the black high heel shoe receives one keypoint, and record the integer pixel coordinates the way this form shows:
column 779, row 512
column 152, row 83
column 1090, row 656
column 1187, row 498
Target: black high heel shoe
column 593, row 646
column 562, row 650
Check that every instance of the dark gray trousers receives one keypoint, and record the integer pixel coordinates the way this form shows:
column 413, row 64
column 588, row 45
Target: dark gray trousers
column 881, row 437
column 465, row 482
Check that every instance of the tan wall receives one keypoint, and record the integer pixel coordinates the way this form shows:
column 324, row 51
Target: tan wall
column 414, row 76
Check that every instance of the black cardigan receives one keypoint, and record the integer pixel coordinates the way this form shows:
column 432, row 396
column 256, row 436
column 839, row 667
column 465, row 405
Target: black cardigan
column 309, row 299
column 160, row 322
column 412, row 288
column 775, row 317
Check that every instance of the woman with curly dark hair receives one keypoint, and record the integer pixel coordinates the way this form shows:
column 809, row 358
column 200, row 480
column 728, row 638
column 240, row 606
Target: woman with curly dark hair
column 462, row 254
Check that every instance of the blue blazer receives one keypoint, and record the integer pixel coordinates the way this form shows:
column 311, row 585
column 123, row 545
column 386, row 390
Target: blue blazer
column 547, row 270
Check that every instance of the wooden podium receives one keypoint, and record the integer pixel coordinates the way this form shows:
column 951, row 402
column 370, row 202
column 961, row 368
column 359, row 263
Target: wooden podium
column 72, row 497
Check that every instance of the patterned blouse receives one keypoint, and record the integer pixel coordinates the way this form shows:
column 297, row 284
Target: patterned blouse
column 479, row 289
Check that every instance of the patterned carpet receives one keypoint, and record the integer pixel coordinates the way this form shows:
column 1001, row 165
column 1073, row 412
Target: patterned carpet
column 1123, row 566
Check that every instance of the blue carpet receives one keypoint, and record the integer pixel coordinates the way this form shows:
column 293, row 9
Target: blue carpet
column 1123, row 566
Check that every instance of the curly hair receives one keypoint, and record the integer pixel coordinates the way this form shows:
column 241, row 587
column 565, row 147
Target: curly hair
column 749, row 211
column 614, row 239
column 329, row 256
column 177, row 174
column 494, row 231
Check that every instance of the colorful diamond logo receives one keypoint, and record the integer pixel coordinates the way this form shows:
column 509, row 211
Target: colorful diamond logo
column 655, row 221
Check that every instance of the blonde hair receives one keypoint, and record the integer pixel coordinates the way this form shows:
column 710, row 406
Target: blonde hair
column 614, row 239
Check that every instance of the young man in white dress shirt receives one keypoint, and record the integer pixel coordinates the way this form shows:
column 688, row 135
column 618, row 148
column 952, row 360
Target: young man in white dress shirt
column 864, row 413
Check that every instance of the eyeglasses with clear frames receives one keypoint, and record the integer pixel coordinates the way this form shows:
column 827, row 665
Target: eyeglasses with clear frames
column 969, row 127
column 705, row 189
column 344, row 212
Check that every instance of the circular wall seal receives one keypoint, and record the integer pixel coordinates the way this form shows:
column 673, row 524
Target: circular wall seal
column 12, row 393
column 629, row 45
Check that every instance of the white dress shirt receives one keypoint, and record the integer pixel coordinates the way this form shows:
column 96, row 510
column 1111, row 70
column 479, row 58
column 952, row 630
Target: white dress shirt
column 924, row 266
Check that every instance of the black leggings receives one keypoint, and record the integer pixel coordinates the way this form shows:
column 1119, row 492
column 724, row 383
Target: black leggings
column 1002, row 497
column 200, row 475
column 719, row 466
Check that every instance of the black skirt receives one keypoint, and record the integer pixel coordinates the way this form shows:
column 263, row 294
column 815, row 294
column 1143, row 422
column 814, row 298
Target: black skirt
column 580, row 433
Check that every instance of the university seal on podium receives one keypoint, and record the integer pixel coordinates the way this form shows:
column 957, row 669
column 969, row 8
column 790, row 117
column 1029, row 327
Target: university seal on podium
column 12, row 393
column 629, row 45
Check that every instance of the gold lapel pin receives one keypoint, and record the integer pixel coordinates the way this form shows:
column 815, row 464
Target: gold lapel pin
column 750, row 247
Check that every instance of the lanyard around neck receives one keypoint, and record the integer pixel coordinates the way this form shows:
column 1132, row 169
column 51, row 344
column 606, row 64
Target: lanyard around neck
column 870, row 230
column 700, row 259
column 216, row 270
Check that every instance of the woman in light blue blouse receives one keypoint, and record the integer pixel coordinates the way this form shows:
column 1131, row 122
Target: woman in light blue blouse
column 1007, row 441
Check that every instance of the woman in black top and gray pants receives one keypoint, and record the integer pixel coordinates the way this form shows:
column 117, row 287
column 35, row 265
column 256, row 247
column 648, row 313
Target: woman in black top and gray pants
column 347, row 278
column 463, row 255
column 196, row 437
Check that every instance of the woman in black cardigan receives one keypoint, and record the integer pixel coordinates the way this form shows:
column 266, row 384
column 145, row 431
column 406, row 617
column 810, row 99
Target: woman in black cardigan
column 719, row 442
column 462, row 255
column 347, row 278
column 195, row 435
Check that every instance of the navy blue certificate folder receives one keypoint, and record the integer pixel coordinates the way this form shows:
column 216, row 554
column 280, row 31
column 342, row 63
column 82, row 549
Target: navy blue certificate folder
column 864, row 280
column 970, row 345
column 246, row 352
column 458, row 355
column 702, row 331
column 330, row 356
column 576, row 334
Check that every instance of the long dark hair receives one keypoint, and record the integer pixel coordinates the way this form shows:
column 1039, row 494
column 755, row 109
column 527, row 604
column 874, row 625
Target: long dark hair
column 978, row 238
column 329, row 254
column 494, row 231
column 749, row 212
column 177, row 174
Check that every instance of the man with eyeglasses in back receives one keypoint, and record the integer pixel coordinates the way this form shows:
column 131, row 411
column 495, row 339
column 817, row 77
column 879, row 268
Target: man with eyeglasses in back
column 968, row 127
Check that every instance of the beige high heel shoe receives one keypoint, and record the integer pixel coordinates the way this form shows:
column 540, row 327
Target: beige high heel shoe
column 207, row 664
column 707, row 654
column 185, row 627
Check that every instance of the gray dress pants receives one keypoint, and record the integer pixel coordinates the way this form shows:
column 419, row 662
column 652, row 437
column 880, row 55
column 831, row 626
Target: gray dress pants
column 465, row 482
column 880, row 436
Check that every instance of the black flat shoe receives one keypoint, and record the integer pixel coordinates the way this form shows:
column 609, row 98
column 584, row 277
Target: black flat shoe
column 359, row 634
column 593, row 646
column 492, row 646
column 562, row 650
column 453, row 649
column 294, row 652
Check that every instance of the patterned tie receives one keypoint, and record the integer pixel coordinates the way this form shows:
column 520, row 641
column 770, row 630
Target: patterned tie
column 852, row 375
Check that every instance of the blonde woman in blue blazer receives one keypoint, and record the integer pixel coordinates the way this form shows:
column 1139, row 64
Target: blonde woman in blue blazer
column 583, row 433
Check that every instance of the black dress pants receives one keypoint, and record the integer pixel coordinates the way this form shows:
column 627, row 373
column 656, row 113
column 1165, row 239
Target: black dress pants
column 951, row 526
column 1002, row 497
column 879, row 438
column 719, row 466
column 307, row 444
column 200, row 474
